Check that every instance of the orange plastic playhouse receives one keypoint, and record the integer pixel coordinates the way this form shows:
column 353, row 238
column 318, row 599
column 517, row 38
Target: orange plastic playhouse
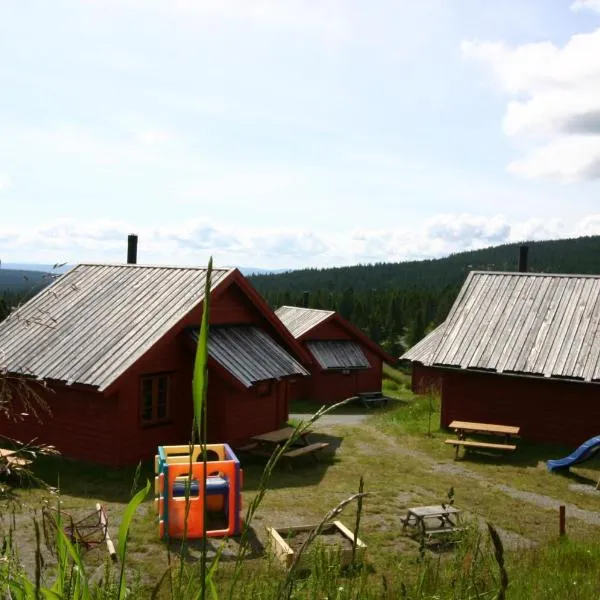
column 179, row 480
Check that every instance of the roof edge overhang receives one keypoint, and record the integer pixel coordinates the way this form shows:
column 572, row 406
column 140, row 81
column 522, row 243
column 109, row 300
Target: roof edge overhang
column 512, row 374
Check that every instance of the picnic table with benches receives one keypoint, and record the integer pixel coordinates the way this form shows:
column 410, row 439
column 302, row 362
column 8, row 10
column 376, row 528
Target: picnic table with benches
column 265, row 444
column 462, row 428
column 432, row 521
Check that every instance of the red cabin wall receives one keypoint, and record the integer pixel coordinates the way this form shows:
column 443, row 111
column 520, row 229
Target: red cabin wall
column 328, row 387
column 546, row 410
column 81, row 424
column 425, row 379
column 244, row 413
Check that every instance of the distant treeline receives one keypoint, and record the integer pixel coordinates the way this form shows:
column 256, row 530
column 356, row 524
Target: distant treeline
column 397, row 303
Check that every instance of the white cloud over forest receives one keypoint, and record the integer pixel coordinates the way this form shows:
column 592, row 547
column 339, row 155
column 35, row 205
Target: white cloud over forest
column 554, row 107
column 68, row 240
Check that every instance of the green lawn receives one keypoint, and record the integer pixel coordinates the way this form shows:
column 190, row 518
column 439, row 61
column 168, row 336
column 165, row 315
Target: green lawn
column 400, row 452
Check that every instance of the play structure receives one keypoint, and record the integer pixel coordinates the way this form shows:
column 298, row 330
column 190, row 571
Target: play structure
column 585, row 451
column 181, row 482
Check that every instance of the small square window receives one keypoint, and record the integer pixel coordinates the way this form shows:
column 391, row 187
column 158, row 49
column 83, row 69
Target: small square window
column 155, row 398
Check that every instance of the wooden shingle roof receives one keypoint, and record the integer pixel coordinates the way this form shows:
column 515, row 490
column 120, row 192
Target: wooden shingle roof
column 523, row 323
column 95, row 321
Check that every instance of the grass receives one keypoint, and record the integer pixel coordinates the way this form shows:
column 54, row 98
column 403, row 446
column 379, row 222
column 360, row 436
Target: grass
column 400, row 452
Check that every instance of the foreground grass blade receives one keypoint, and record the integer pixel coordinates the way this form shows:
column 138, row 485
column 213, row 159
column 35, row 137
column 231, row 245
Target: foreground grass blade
column 200, row 379
column 124, row 531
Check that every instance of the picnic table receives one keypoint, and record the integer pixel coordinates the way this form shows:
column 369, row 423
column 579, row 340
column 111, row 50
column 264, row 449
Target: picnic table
column 431, row 521
column 265, row 444
column 462, row 428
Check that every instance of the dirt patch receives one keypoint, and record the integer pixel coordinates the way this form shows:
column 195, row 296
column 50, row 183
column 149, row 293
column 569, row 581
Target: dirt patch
column 329, row 537
column 588, row 516
column 584, row 489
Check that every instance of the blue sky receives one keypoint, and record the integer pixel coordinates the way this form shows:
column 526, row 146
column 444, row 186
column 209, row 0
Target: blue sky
column 288, row 133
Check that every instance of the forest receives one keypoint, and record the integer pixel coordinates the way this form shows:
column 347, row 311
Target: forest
column 396, row 304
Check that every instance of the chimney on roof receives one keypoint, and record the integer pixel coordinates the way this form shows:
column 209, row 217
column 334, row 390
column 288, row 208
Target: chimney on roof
column 305, row 297
column 132, row 241
column 523, row 252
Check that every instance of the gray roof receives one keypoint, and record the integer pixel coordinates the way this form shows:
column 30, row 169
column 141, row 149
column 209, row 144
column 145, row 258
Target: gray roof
column 338, row 354
column 250, row 354
column 527, row 323
column 299, row 320
column 95, row 321
column 423, row 350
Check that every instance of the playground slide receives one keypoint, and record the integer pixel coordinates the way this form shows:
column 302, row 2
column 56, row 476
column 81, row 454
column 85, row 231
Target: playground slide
column 585, row 451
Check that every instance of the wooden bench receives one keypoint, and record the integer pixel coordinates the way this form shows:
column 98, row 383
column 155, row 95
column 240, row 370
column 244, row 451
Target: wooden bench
column 310, row 449
column 468, row 444
column 372, row 399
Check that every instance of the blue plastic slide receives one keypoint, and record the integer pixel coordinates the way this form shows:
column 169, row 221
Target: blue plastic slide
column 585, row 451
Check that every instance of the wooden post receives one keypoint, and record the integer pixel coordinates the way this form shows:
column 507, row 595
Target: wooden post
column 104, row 523
column 561, row 515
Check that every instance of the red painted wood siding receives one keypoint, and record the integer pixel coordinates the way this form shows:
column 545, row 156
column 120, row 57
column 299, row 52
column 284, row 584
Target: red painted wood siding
column 425, row 379
column 329, row 331
column 333, row 386
column 82, row 424
column 546, row 410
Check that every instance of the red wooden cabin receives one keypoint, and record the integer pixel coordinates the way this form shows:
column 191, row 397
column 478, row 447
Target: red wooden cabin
column 115, row 346
column 518, row 349
column 345, row 361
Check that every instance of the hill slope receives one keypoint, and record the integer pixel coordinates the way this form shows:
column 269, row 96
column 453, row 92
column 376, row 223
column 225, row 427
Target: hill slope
column 19, row 280
column 578, row 255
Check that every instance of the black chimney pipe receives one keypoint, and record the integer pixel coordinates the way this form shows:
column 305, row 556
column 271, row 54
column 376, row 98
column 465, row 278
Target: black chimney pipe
column 305, row 297
column 132, row 241
column 523, row 252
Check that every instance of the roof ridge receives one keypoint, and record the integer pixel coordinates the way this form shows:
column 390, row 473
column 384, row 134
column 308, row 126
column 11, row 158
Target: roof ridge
column 323, row 310
column 149, row 266
column 537, row 274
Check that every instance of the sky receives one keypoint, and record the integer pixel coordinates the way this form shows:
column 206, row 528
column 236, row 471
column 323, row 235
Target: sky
column 292, row 133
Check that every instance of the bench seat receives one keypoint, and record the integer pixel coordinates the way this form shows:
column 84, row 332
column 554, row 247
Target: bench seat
column 310, row 449
column 443, row 530
column 471, row 444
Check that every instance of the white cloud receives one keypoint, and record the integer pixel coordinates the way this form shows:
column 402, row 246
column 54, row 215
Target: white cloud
column 192, row 242
column 555, row 107
column 590, row 225
column 586, row 4
column 467, row 228
column 4, row 181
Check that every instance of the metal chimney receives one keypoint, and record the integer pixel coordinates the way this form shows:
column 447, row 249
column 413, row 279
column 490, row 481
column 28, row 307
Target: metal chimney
column 305, row 297
column 132, row 242
column 523, row 252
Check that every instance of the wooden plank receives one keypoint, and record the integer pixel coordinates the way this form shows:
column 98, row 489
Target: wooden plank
column 279, row 435
column 485, row 427
column 443, row 530
column 349, row 534
column 104, row 523
column 470, row 444
column 306, row 449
